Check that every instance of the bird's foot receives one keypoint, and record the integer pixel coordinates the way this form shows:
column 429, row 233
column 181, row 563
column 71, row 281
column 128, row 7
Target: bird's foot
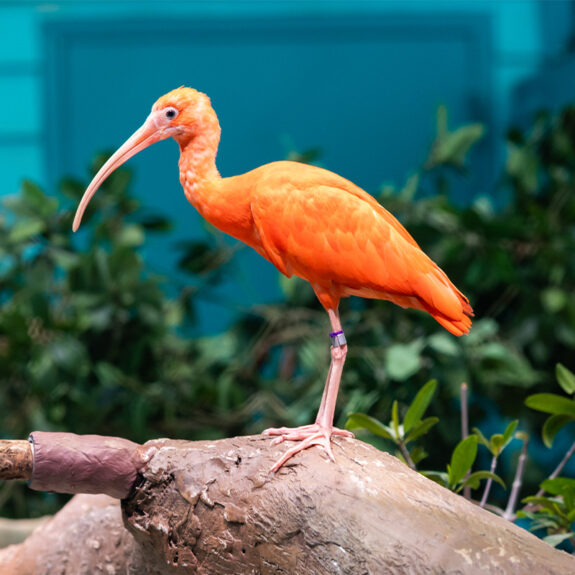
column 307, row 435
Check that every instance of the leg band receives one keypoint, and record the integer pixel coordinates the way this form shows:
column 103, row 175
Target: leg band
column 338, row 339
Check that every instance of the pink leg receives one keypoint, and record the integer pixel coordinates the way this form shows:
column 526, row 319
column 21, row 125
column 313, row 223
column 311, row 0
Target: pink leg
column 321, row 431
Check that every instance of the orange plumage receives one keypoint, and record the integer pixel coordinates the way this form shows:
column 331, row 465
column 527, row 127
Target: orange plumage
column 308, row 222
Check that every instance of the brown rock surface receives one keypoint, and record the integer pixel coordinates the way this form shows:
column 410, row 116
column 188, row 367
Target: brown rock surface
column 213, row 508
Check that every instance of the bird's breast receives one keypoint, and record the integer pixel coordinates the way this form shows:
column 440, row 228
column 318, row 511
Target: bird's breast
column 224, row 203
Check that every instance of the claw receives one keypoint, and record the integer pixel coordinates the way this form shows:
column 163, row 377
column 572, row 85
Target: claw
column 307, row 435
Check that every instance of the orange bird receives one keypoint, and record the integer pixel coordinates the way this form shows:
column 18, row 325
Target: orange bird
column 308, row 222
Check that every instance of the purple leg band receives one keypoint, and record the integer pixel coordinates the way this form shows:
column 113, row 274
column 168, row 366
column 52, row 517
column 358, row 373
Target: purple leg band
column 337, row 338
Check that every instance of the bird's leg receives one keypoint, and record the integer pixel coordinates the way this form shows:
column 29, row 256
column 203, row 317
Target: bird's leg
column 321, row 431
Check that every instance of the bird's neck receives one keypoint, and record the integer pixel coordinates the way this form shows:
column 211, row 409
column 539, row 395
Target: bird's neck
column 198, row 160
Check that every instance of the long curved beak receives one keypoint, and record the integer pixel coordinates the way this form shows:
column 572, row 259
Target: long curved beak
column 145, row 136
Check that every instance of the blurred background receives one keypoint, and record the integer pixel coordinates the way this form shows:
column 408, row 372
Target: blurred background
column 455, row 114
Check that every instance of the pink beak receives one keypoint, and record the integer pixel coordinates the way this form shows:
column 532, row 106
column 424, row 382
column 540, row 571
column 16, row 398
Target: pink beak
column 148, row 134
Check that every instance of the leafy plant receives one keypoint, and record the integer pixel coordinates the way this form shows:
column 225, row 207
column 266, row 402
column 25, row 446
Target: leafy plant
column 552, row 508
column 457, row 475
column 411, row 428
column 553, row 513
column 495, row 444
column 562, row 409
column 451, row 148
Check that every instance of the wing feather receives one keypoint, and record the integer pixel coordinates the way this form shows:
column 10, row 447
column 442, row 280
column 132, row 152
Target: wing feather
column 321, row 227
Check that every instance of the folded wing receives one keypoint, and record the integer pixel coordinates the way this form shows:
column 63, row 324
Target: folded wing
column 321, row 227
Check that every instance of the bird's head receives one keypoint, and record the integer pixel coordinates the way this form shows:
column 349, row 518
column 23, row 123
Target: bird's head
column 179, row 114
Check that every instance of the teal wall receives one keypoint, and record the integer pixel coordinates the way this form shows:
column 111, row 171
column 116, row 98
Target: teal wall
column 360, row 79
column 525, row 35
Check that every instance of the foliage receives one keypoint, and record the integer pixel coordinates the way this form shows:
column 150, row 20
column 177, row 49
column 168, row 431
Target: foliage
column 88, row 336
column 553, row 513
column 411, row 428
column 562, row 410
column 499, row 441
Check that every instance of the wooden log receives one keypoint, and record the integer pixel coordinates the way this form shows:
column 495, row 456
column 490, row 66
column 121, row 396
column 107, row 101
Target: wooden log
column 212, row 507
column 16, row 460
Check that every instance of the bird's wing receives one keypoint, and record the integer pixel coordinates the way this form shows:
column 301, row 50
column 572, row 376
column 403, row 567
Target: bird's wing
column 317, row 225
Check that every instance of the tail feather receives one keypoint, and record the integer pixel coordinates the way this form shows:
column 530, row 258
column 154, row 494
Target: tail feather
column 456, row 326
column 442, row 300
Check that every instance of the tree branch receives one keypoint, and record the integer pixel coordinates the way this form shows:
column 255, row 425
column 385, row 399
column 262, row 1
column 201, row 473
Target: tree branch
column 509, row 513
column 488, row 483
column 15, row 460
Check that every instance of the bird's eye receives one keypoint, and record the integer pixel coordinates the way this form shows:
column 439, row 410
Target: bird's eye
column 170, row 113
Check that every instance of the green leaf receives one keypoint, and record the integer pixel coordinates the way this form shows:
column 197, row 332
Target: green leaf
column 32, row 193
column 419, row 405
column 403, row 360
column 108, row 375
column 509, row 431
column 437, row 476
column 444, row 343
column 554, row 299
column 25, row 229
column 565, row 378
column 421, row 428
column 418, row 454
column 131, row 236
column 64, row 258
column 72, row 189
column 408, row 191
column 454, row 147
column 493, row 351
column 497, row 443
column 558, row 485
column 558, row 538
column 67, row 352
column 551, row 403
column 481, row 438
column 462, row 459
column 546, row 503
column 552, row 426
column 361, row 420
column 483, row 330
column 546, row 520
column 475, row 478
column 523, row 164
column 38, row 202
column 218, row 348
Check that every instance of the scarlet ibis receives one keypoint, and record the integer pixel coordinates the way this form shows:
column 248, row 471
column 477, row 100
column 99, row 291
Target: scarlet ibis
column 308, row 222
